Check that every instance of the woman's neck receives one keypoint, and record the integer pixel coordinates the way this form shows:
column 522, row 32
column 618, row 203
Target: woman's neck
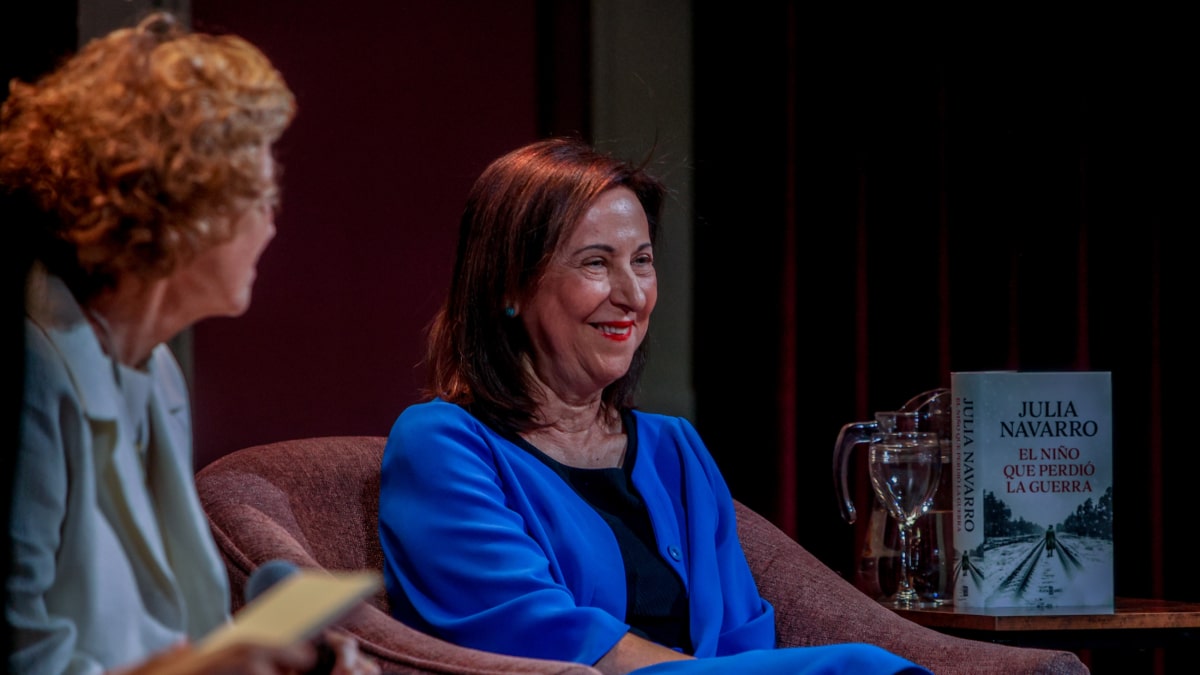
column 131, row 319
column 586, row 435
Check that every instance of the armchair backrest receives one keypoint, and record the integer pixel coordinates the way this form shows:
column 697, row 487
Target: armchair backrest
column 315, row 502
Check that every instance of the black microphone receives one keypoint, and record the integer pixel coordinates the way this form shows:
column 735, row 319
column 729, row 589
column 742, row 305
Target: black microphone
column 267, row 575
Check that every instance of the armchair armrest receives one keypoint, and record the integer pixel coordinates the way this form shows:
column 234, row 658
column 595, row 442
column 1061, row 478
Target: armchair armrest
column 816, row 606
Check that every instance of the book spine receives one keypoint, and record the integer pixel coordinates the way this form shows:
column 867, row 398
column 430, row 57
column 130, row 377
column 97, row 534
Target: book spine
column 968, row 501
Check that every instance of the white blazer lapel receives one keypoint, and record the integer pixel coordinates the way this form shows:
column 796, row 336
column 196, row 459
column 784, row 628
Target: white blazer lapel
column 126, row 501
column 199, row 572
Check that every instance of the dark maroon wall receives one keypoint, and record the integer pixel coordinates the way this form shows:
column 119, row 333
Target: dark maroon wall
column 401, row 105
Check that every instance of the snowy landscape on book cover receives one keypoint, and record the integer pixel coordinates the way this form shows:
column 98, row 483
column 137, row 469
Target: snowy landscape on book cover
column 1033, row 490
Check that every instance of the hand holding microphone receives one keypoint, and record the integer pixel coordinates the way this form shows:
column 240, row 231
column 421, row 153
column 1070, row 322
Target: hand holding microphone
column 336, row 651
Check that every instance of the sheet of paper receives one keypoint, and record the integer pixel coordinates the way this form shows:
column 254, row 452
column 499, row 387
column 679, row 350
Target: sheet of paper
column 297, row 608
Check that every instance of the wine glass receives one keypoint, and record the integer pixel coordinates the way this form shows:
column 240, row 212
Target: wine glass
column 905, row 467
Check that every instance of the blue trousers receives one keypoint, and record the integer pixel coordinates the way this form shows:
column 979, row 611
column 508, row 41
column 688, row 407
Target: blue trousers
column 841, row 659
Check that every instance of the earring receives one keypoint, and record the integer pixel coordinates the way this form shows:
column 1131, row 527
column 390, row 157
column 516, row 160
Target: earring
column 510, row 312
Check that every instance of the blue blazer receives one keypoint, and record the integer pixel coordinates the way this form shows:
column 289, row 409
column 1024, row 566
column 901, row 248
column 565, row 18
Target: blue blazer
column 486, row 547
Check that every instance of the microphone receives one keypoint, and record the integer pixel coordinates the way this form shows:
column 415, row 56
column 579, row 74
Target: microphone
column 267, row 575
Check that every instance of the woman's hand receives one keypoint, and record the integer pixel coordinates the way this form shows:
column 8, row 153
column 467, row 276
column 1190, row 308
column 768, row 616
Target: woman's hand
column 235, row 659
column 252, row 659
column 632, row 652
column 349, row 661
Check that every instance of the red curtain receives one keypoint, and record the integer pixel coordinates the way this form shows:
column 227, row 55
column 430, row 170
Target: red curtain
column 891, row 205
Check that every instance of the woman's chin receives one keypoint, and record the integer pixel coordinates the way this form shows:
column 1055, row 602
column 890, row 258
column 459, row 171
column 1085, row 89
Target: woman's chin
column 239, row 306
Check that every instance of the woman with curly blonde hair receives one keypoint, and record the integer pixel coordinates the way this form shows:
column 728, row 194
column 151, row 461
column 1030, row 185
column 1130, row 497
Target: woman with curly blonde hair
column 144, row 166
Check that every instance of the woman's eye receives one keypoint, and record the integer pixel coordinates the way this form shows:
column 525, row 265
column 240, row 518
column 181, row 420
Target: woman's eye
column 644, row 260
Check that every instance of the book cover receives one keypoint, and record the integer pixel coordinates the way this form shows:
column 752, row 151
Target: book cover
column 1032, row 458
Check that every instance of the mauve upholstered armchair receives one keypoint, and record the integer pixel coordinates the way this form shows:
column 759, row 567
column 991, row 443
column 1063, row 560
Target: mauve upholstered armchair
column 315, row 502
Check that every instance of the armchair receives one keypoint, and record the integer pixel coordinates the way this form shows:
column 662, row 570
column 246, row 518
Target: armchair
column 315, row 502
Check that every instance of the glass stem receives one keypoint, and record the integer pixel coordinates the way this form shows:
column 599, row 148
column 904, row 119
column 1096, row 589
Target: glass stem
column 906, row 593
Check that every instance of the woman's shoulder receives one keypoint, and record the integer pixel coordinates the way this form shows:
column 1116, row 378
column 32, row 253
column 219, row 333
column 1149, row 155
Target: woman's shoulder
column 168, row 376
column 64, row 361
column 432, row 412
column 436, row 419
column 662, row 422
column 435, row 437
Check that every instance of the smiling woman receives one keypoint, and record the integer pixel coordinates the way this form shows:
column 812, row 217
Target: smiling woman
column 588, row 314
column 611, row 537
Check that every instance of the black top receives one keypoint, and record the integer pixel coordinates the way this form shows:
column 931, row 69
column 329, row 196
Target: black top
column 656, row 604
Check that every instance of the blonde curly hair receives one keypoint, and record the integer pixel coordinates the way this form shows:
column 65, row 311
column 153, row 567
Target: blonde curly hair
column 143, row 148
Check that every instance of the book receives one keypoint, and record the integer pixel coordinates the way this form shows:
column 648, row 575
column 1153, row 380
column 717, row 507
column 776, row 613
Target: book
column 1032, row 458
column 294, row 609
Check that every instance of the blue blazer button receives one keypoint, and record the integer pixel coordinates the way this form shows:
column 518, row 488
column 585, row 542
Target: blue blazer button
column 673, row 550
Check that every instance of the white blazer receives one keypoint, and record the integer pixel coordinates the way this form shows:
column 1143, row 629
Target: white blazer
column 110, row 562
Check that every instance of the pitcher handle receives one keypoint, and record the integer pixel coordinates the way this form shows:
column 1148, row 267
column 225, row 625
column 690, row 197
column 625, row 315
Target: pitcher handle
column 851, row 434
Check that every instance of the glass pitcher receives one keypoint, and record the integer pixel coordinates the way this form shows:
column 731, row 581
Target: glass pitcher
column 877, row 565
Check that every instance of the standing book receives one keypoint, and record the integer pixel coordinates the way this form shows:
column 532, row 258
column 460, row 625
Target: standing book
column 1032, row 491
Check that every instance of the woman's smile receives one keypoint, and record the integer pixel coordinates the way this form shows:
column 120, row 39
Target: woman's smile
column 618, row 331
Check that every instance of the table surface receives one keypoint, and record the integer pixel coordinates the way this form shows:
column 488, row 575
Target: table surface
column 1128, row 613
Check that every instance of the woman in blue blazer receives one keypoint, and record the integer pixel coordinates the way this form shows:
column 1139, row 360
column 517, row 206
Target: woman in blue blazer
column 528, row 507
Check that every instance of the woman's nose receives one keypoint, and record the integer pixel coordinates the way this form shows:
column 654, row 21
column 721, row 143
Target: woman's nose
column 627, row 290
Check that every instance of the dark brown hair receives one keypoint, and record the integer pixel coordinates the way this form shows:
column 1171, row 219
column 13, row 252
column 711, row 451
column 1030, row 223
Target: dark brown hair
column 519, row 209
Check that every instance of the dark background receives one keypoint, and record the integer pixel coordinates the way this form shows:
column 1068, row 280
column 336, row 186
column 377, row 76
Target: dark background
column 879, row 199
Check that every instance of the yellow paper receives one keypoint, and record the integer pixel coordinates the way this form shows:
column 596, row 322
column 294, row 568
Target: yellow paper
column 297, row 608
